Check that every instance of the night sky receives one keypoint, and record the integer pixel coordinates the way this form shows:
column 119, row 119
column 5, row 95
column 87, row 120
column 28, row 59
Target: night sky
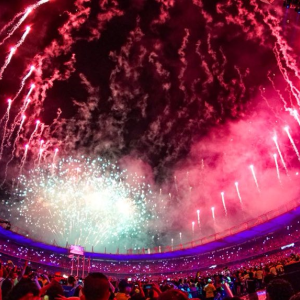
column 187, row 93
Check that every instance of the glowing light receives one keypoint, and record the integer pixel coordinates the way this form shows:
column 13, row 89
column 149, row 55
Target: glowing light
column 295, row 114
column 277, row 167
column 254, row 176
column 224, row 204
column 213, row 214
column 7, row 61
column 6, row 119
column 193, row 228
column 104, row 204
column 292, row 141
column 198, row 217
column 238, row 192
column 279, row 152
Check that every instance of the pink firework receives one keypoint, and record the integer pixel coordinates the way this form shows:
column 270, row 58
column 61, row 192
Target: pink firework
column 224, row 204
column 7, row 61
column 292, row 141
column 254, row 177
column 279, row 152
column 238, row 192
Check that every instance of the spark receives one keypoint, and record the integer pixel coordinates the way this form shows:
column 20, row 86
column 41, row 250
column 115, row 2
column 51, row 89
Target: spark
column 280, row 155
column 193, row 228
column 277, row 167
column 5, row 126
column 7, row 61
column 32, row 68
column 213, row 214
column 292, row 142
column 224, row 204
column 54, row 156
column 21, row 41
column 34, row 131
column 11, row 32
column 254, row 177
column 40, row 152
column 21, row 21
column 24, row 158
column 198, row 217
column 88, row 201
column 13, row 149
column 295, row 114
column 238, row 192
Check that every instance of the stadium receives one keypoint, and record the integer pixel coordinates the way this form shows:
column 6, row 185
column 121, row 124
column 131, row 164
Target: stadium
column 151, row 147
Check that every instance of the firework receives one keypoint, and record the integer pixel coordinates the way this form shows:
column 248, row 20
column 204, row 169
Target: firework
column 6, row 117
column 277, row 167
column 238, row 192
column 198, row 217
column 7, row 61
column 193, row 228
column 32, row 68
column 21, row 21
column 292, row 142
column 254, row 176
column 11, row 32
column 213, row 214
column 84, row 201
column 224, row 204
column 279, row 152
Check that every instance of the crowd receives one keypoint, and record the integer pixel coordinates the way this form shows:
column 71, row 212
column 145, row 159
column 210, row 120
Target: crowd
column 260, row 250
column 25, row 283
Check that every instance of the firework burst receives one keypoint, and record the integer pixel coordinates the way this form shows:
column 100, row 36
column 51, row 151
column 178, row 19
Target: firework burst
column 83, row 201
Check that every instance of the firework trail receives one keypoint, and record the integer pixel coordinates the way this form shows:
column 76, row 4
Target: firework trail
column 295, row 114
column 198, row 217
column 21, row 21
column 13, row 50
column 238, row 192
column 32, row 68
column 21, row 41
column 24, row 158
column 254, row 177
column 280, row 155
column 9, row 24
column 20, row 113
column 224, row 204
column 13, row 149
column 34, row 131
column 11, row 32
column 277, row 167
column 40, row 153
column 213, row 214
column 7, row 61
column 54, row 156
column 5, row 126
column 292, row 142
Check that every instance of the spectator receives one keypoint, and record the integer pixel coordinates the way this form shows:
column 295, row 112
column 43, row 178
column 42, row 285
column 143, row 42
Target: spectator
column 251, row 287
column 268, row 276
column 259, row 277
column 6, row 287
column 25, row 289
column 173, row 295
column 209, row 290
column 124, row 290
column 96, row 287
column 69, row 289
column 279, row 289
column 54, row 291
